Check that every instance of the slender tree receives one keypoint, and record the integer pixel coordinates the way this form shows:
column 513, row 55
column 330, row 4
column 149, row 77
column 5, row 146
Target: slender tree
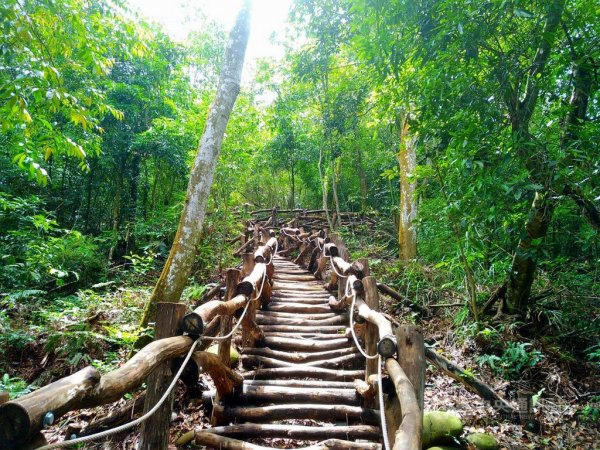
column 181, row 257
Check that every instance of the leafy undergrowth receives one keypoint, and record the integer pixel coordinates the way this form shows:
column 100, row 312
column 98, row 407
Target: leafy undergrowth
column 556, row 363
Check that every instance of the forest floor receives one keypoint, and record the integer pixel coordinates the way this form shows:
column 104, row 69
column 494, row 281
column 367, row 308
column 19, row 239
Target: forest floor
column 563, row 409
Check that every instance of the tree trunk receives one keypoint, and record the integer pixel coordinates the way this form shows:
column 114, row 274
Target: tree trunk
column 324, row 188
column 407, row 162
column 336, row 202
column 360, row 170
column 525, row 258
column 523, row 267
column 181, row 258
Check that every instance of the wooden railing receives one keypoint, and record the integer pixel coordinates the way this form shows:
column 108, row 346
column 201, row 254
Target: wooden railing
column 402, row 350
column 245, row 290
column 22, row 418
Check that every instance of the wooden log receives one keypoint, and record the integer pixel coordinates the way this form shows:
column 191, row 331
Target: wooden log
column 304, row 253
column 21, row 418
column 321, row 264
column 411, row 356
column 118, row 417
column 289, row 277
column 279, row 285
column 253, row 283
column 257, row 395
column 371, row 336
column 367, row 390
column 399, row 297
column 307, row 345
column 232, row 278
column 473, row 384
column 243, row 247
column 4, row 397
column 265, row 320
column 154, row 432
column 207, row 312
column 301, row 383
column 129, row 376
column 210, row 330
column 225, row 379
column 351, row 361
column 298, row 357
column 299, row 308
column 212, row 293
column 247, row 264
column 303, row 336
column 338, row 305
column 315, row 411
column 408, row 435
column 289, row 315
column 250, row 430
column 216, row 441
column 329, row 329
column 291, row 294
column 305, row 372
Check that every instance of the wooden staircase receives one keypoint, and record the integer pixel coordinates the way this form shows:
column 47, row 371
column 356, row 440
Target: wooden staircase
column 299, row 386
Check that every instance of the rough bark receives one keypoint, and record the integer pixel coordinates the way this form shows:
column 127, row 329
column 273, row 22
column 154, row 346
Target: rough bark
column 523, row 266
column 407, row 162
column 224, row 443
column 179, row 263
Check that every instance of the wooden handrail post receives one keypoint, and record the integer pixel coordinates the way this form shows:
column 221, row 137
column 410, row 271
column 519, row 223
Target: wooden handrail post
column 274, row 222
column 247, row 264
column 411, row 356
column 232, row 278
column 247, row 268
column 154, row 433
column 365, row 264
column 371, row 332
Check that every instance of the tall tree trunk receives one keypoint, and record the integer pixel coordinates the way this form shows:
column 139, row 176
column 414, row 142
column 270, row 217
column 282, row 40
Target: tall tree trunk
column 88, row 196
column 360, row 170
column 181, row 258
column 524, row 260
column 292, row 202
column 523, row 267
column 114, row 253
column 407, row 162
column 336, row 201
column 324, row 188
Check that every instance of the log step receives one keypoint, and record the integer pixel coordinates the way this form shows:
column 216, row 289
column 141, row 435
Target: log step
column 298, row 315
column 251, row 430
column 304, row 300
column 350, row 361
column 292, row 277
column 264, row 320
column 294, row 287
column 302, row 383
column 305, row 336
column 284, row 293
column 298, row 357
column 305, row 372
column 205, row 437
column 260, row 395
column 299, row 308
column 329, row 329
column 306, row 345
column 328, row 413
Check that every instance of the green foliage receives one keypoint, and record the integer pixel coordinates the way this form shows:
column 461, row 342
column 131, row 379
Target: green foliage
column 55, row 59
column 37, row 253
column 16, row 387
column 591, row 411
column 514, row 361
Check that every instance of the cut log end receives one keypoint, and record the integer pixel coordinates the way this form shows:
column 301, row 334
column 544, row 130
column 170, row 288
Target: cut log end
column 15, row 425
column 192, row 324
